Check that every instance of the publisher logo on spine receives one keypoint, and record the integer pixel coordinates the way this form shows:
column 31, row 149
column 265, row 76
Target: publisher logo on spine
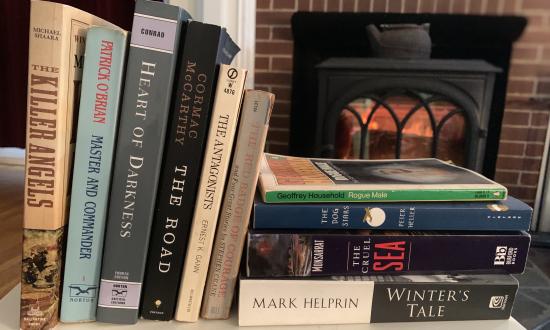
column 498, row 302
column 505, row 255
column 82, row 292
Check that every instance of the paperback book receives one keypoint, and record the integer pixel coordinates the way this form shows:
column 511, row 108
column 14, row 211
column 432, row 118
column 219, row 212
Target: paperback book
column 95, row 145
column 375, row 299
column 508, row 214
column 285, row 179
column 366, row 252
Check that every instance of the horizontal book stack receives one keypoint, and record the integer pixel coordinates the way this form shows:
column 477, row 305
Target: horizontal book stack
column 360, row 241
column 142, row 168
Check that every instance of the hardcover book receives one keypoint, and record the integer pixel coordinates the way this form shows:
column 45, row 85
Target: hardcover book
column 97, row 125
column 57, row 38
column 205, row 46
column 223, row 126
column 508, row 214
column 365, row 252
column 145, row 107
column 285, row 179
column 237, row 203
column 376, row 299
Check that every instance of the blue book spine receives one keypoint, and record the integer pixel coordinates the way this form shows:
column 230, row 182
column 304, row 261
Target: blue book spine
column 509, row 214
column 95, row 145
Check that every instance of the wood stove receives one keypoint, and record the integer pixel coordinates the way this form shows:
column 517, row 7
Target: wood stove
column 392, row 108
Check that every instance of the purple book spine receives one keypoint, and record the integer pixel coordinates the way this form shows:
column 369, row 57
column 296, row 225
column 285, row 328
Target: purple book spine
column 364, row 253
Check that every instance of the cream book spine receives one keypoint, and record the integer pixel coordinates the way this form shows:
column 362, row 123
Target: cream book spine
column 223, row 126
column 57, row 36
column 237, row 204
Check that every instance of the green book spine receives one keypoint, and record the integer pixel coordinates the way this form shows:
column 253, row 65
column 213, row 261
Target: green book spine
column 95, row 145
column 311, row 196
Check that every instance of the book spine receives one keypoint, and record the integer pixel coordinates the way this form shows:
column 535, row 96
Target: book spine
column 381, row 195
column 179, row 179
column 299, row 302
column 289, row 254
column 392, row 216
column 225, row 114
column 97, row 124
column 56, row 48
column 144, row 114
column 237, row 204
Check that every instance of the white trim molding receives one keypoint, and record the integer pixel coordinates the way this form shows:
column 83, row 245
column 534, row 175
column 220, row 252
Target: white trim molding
column 238, row 17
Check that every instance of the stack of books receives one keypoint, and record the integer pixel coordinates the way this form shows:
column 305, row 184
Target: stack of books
column 360, row 241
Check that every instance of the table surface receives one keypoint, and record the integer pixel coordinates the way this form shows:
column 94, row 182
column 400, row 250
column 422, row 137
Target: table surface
column 9, row 319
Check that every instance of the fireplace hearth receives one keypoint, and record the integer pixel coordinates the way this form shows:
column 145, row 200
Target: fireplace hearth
column 392, row 108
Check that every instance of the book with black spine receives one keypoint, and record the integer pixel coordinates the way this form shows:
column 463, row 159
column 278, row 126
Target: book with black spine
column 138, row 158
column 205, row 46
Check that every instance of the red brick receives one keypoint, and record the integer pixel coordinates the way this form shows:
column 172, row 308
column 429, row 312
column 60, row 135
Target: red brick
column 535, row 20
column 284, row 4
column 476, row 7
column 459, row 7
column 529, row 70
column 348, row 5
column 535, row 36
column 273, row 17
column 379, row 6
column 281, row 149
column 516, row 118
column 411, row 6
column 543, row 87
column 394, row 6
column 282, row 93
column 506, row 177
column 318, row 5
column 443, row 6
column 263, row 4
column 333, row 5
column 525, row 53
column 262, row 33
column 546, row 53
column 521, row 86
column 529, row 179
column 262, row 87
column 534, row 150
column 518, row 163
column 304, row 5
column 277, row 121
column 492, row 7
column 427, row 6
column 522, row 102
column 273, row 78
column 539, row 119
column 511, row 148
column 364, row 5
column 261, row 63
column 523, row 134
column 523, row 193
column 274, row 47
column 278, row 135
column 509, row 7
column 536, row 4
column 281, row 64
column 281, row 108
column 282, row 33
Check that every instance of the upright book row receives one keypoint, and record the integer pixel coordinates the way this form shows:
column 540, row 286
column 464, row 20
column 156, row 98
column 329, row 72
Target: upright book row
column 154, row 126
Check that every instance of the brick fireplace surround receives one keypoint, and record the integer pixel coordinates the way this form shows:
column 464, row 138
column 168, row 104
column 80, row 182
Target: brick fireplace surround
column 527, row 110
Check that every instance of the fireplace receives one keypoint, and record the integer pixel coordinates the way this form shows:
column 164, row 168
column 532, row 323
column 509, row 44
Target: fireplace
column 392, row 108
column 450, row 106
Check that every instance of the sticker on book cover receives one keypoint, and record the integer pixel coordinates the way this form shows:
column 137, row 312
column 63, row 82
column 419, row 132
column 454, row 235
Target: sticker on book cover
column 154, row 33
column 115, row 294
